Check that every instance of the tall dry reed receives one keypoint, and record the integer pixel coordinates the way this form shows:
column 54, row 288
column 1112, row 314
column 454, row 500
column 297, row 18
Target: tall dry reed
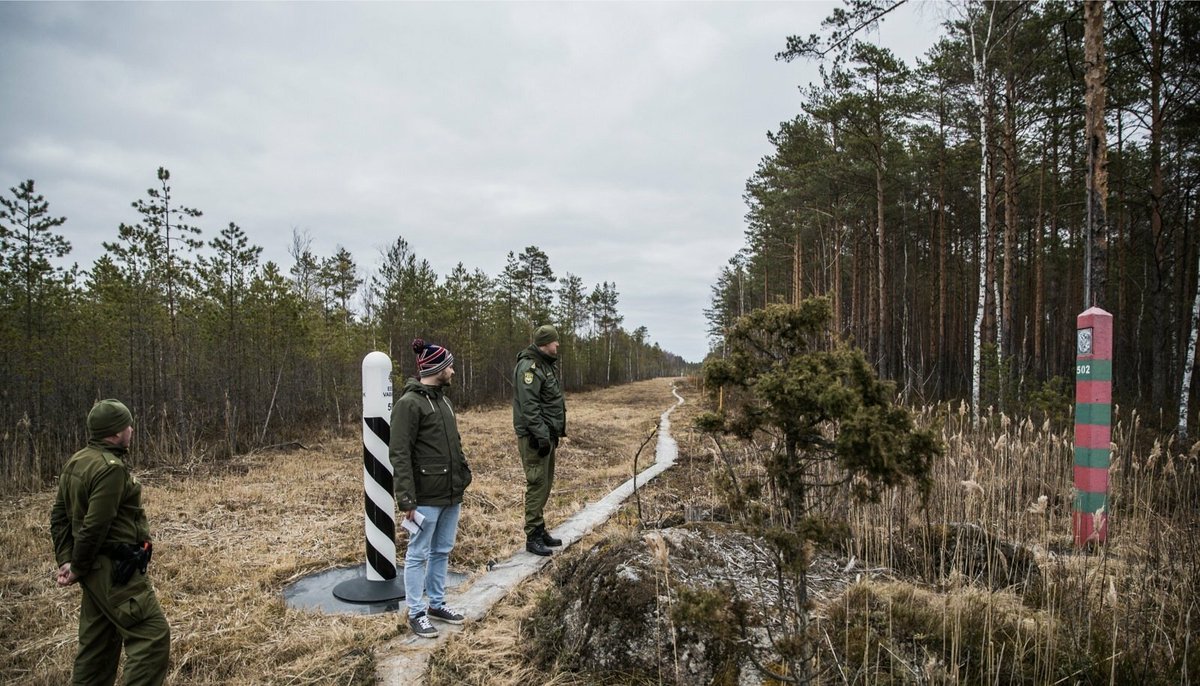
column 993, row 553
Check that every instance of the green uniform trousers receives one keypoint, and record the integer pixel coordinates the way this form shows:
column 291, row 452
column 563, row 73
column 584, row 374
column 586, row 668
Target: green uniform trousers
column 539, row 477
column 112, row 616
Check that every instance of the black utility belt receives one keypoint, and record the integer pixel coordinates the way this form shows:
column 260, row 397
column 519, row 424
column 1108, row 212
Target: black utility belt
column 128, row 558
column 121, row 551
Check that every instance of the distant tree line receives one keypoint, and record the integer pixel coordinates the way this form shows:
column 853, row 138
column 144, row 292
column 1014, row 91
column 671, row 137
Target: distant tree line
column 919, row 198
column 219, row 352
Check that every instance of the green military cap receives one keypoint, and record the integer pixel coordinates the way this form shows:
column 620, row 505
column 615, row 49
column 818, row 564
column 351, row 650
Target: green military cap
column 108, row 418
column 545, row 335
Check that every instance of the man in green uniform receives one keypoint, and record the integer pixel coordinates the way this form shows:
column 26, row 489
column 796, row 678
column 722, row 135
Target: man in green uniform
column 102, row 540
column 540, row 420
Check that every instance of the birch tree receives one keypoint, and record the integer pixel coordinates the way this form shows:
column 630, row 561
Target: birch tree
column 976, row 17
column 1185, row 389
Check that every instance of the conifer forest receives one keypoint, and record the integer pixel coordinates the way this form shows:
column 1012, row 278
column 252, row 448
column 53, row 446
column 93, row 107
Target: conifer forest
column 877, row 473
column 961, row 211
column 221, row 352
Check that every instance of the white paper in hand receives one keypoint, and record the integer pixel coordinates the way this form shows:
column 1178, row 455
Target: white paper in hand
column 412, row 526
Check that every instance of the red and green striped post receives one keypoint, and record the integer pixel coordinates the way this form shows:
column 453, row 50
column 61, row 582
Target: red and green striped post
column 1093, row 425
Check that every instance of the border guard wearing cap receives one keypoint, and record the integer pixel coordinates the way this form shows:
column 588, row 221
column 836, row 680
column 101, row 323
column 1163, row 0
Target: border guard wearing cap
column 102, row 541
column 540, row 420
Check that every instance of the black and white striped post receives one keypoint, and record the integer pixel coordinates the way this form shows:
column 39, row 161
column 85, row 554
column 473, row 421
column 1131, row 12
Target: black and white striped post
column 380, row 583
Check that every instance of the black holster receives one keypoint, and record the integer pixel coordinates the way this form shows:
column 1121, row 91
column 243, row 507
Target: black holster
column 129, row 558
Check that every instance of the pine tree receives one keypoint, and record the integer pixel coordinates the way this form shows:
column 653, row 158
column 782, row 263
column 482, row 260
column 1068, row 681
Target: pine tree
column 835, row 428
column 227, row 276
column 155, row 257
column 36, row 307
column 607, row 320
column 526, row 282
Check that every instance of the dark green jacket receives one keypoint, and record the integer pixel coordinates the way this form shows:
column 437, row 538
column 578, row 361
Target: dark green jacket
column 538, row 405
column 99, row 504
column 426, row 449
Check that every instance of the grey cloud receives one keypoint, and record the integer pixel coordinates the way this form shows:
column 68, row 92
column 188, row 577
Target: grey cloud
column 615, row 136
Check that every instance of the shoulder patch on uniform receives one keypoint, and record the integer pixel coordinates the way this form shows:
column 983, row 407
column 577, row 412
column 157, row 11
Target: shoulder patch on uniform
column 528, row 378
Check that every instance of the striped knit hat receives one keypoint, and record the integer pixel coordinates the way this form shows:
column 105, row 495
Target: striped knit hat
column 431, row 358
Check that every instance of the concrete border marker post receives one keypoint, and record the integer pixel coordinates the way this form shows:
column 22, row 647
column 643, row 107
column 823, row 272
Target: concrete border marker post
column 1093, row 425
column 379, row 502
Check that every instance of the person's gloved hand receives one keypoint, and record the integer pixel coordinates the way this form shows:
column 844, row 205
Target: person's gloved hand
column 540, row 445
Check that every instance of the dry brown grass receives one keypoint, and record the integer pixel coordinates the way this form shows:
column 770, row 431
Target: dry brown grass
column 229, row 537
column 1124, row 614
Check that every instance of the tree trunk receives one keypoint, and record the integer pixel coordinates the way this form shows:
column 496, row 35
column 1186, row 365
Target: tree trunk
column 1161, row 291
column 881, row 318
column 1097, row 152
column 797, row 266
column 1039, row 272
column 979, row 65
column 1189, row 364
column 940, row 347
column 839, row 238
column 608, row 363
column 1010, row 215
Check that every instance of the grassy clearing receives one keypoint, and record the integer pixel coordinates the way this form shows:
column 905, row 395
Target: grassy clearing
column 230, row 536
column 947, row 610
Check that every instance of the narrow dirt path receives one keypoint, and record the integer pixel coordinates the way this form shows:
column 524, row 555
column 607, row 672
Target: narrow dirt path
column 404, row 660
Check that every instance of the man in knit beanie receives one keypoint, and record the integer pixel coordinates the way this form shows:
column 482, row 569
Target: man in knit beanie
column 540, row 421
column 432, row 359
column 102, row 541
column 431, row 474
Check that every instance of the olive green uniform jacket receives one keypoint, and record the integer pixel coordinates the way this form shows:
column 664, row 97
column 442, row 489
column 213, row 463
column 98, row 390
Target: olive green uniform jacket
column 425, row 449
column 99, row 505
column 538, row 410
column 538, row 405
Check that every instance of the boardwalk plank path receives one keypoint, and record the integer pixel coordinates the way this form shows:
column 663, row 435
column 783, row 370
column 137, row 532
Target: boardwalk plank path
column 405, row 659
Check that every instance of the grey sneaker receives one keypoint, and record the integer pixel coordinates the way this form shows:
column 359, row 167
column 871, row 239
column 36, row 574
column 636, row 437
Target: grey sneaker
column 421, row 626
column 446, row 614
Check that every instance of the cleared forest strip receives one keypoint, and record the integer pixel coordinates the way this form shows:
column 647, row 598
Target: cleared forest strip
column 230, row 535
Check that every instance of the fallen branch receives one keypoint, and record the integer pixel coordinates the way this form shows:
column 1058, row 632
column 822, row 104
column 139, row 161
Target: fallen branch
column 280, row 446
column 638, row 496
column 271, row 407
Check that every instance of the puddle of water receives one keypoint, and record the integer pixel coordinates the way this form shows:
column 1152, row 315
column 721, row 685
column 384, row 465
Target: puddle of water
column 315, row 592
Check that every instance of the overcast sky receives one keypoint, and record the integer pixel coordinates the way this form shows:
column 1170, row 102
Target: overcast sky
column 617, row 137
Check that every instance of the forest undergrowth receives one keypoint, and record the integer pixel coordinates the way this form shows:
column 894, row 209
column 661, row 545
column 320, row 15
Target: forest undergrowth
column 989, row 585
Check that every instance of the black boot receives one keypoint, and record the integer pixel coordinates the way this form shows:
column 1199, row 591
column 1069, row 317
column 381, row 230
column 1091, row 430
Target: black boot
column 533, row 544
column 547, row 539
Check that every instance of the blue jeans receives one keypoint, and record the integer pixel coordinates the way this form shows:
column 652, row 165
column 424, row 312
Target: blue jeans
column 428, row 556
